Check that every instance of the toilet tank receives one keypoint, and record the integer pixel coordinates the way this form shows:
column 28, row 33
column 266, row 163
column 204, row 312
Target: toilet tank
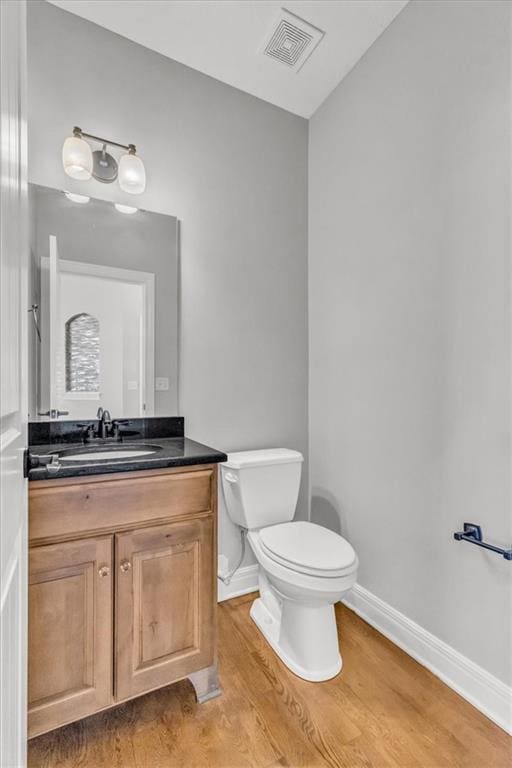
column 261, row 487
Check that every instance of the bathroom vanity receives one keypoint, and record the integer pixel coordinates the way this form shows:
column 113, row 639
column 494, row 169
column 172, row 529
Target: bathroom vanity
column 122, row 512
column 122, row 572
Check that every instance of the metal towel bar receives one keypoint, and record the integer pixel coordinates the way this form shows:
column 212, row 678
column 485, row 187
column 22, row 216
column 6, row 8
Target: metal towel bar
column 473, row 534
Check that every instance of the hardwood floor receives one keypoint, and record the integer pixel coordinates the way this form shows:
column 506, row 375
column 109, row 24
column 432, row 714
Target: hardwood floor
column 383, row 711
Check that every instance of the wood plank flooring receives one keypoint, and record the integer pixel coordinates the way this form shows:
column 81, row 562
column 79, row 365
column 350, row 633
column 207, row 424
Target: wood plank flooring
column 383, row 711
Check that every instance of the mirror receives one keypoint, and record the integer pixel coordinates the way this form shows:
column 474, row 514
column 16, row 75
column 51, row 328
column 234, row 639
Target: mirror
column 104, row 317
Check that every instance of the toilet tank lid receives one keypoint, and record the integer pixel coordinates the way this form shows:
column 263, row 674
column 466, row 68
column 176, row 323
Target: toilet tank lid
column 265, row 456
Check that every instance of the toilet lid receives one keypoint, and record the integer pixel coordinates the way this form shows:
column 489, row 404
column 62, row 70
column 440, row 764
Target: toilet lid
column 308, row 547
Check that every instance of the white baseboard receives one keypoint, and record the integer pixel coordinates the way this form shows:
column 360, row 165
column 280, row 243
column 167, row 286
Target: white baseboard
column 484, row 691
column 244, row 580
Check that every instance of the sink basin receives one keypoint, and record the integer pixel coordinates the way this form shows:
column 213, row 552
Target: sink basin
column 107, row 453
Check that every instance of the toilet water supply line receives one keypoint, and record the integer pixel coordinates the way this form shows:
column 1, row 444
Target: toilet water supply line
column 229, row 575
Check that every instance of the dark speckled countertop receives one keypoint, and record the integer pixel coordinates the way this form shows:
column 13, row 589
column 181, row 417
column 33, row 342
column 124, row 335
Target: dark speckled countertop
column 173, row 452
column 164, row 434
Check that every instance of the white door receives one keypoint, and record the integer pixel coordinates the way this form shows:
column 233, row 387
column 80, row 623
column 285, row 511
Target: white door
column 53, row 314
column 116, row 308
column 13, row 377
column 97, row 339
column 50, row 316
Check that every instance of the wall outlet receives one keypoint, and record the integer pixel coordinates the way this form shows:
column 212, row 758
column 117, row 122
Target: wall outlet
column 161, row 384
column 133, row 385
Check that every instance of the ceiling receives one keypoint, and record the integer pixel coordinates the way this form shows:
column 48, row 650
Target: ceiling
column 222, row 38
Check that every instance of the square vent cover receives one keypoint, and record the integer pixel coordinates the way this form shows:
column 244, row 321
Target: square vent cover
column 291, row 40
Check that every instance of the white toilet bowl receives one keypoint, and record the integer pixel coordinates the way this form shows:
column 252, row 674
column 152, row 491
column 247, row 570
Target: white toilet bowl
column 303, row 568
column 295, row 610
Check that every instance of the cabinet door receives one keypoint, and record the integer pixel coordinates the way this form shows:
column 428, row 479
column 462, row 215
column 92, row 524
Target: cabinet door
column 70, row 632
column 164, row 604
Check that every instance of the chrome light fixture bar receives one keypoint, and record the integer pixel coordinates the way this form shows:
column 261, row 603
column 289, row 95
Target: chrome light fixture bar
column 81, row 163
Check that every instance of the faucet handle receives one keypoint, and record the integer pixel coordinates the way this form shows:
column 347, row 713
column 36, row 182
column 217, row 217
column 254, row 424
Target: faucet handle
column 87, row 431
column 116, row 427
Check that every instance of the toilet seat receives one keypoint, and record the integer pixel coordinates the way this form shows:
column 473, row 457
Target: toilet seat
column 308, row 548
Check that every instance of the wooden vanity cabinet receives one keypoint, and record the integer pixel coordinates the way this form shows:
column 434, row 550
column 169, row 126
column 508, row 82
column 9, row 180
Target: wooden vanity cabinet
column 119, row 610
column 70, row 638
column 164, row 610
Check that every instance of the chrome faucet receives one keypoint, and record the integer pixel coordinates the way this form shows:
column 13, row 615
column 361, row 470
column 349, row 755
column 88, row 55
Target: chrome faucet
column 104, row 423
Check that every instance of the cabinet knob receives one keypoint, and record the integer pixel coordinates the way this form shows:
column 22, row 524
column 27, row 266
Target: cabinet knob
column 104, row 571
column 125, row 565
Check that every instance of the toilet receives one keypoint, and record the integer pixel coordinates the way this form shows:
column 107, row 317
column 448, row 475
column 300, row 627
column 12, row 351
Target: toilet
column 304, row 568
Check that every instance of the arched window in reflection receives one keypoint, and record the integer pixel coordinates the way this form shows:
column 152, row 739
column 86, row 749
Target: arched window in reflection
column 82, row 353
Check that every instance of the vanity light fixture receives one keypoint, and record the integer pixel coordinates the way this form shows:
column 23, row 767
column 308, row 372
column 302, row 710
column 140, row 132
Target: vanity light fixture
column 80, row 162
column 75, row 198
column 77, row 157
column 132, row 175
column 129, row 209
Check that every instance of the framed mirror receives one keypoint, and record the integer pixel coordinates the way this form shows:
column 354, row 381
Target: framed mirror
column 105, row 301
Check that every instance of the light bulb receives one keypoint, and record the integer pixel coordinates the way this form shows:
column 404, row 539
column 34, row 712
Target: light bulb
column 132, row 176
column 75, row 198
column 125, row 208
column 77, row 158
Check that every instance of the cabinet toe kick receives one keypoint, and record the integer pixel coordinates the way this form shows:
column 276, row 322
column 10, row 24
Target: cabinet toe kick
column 206, row 683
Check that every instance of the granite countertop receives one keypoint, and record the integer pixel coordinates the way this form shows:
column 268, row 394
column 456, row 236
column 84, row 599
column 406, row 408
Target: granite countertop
column 173, row 452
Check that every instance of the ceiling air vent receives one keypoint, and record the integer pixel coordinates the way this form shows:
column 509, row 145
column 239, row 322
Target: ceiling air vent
column 291, row 40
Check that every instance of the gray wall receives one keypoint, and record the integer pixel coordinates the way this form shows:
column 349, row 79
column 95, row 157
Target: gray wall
column 409, row 319
column 233, row 169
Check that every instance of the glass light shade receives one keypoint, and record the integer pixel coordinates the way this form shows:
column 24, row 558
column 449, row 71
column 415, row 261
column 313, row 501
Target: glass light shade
column 132, row 175
column 75, row 198
column 77, row 158
column 129, row 209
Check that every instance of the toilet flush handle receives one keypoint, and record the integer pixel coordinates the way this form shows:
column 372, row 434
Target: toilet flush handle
column 230, row 477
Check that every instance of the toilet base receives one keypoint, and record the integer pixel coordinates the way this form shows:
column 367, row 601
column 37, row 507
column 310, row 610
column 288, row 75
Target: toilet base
column 327, row 663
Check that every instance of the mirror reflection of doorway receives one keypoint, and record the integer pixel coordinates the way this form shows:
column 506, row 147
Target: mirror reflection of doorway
column 142, row 249
column 99, row 338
